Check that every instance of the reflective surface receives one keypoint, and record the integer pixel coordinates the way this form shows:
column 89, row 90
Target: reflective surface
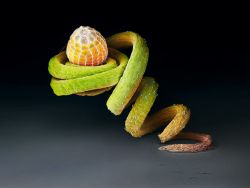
column 49, row 141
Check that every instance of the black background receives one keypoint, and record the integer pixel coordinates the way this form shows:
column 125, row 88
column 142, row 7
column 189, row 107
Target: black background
column 201, row 46
column 200, row 56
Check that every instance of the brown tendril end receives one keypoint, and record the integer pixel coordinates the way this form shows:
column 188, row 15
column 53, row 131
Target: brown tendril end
column 204, row 143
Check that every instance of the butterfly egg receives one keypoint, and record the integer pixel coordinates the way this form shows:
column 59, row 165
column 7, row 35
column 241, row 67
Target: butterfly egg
column 87, row 47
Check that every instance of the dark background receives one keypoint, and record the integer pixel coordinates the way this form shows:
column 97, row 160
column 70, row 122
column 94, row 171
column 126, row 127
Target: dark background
column 205, row 46
column 200, row 57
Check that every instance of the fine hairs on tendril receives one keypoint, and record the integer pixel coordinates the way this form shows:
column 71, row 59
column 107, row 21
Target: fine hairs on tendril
column 99, row 67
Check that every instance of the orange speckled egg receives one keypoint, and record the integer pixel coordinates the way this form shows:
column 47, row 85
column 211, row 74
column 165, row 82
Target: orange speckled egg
column 86, row 47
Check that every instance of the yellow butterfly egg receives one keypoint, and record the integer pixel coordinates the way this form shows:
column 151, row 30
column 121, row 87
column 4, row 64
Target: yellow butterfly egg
column 87, row 47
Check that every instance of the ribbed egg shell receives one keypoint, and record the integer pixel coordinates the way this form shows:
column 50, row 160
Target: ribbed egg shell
column 86, row 47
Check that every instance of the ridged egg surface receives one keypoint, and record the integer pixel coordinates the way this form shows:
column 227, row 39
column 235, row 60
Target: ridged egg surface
column 86, row 47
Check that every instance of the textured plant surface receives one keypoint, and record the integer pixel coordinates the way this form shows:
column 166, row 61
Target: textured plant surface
column 126, row 74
